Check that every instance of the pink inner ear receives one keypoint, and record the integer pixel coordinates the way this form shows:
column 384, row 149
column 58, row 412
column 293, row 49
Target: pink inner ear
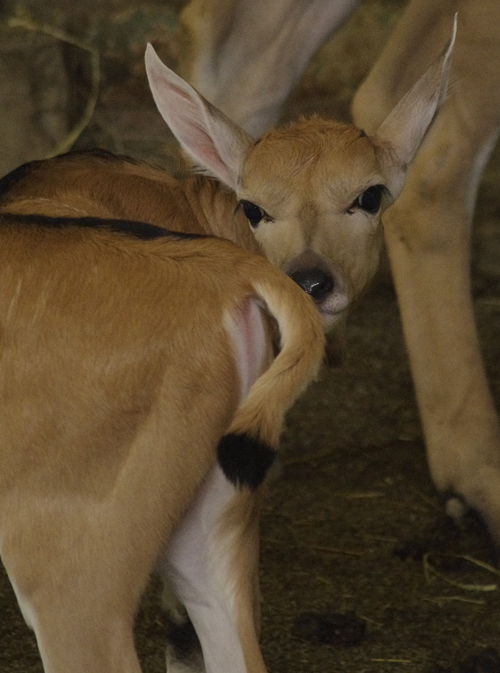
column 180, row 92
column 186, row 118
column 250, row 344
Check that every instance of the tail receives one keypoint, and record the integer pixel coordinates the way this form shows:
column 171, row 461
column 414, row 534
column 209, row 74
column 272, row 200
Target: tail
column 248, row 449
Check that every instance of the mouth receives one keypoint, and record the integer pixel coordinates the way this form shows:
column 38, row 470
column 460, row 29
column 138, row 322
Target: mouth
column 331, row 317
column 334, row 304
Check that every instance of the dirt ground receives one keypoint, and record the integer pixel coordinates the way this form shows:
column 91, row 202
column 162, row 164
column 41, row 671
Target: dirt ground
column 353, row 525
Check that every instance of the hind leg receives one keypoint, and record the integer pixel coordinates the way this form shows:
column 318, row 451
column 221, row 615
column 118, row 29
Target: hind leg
column 76, row 632
column 78, row 588
column 183, row 649
column 212, row 564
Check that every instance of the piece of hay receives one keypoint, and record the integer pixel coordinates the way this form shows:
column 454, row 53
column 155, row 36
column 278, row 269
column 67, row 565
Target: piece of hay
column 429, row 570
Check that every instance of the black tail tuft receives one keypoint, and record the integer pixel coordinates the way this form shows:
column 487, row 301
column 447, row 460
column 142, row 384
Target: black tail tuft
column 245, row 460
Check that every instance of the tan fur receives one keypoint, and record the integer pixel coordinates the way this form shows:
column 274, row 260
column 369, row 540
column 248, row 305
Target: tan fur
column 242, row 518
column 427, row 231
column 80, row 184
column 318, row 167
column 114, row 398
column 308, row 178
column 102, row 185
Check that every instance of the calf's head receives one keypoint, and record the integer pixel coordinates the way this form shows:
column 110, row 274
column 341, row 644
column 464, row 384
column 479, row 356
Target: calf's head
column 313, row 192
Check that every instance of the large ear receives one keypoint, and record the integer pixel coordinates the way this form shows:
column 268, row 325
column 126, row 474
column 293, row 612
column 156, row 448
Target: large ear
column 401, row 133
column 212, row 140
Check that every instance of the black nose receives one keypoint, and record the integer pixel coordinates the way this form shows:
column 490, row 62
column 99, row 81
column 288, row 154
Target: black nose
column 315, row 282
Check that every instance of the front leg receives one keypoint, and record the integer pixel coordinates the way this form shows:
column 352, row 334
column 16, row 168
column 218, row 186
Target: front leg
column 212, row 564
column 428, row 233
column 428, row 238
column 222, row 37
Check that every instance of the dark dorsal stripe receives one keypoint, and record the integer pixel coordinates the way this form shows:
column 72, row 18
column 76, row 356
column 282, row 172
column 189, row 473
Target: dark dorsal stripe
column 244, row 460
column 8, row 181
column 141, row 230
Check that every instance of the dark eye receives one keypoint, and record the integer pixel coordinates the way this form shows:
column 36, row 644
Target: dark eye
column 253, row 213
column 370, row 199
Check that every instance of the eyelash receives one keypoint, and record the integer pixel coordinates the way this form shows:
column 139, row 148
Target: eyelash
column 254, row 214
column 370, row 200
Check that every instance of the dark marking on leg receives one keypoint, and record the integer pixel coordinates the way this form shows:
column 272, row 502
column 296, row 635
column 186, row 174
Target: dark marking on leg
column 183, row 645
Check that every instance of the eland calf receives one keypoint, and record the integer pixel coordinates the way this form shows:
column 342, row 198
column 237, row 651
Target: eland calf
column 141, row 409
